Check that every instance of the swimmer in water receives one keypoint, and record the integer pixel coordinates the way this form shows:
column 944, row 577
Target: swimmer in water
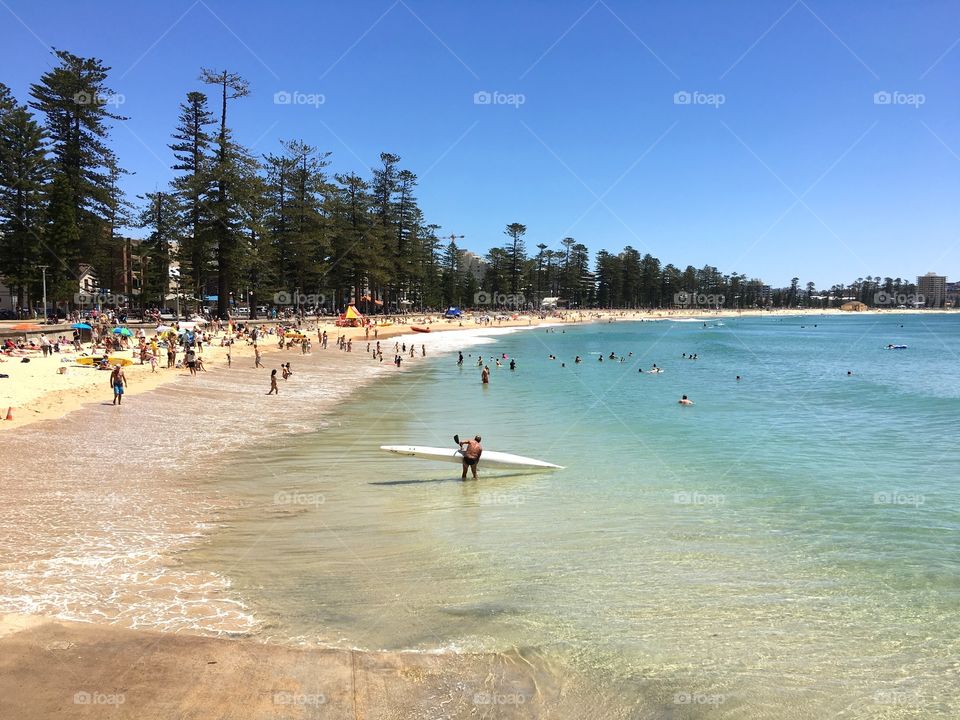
column 685, row 401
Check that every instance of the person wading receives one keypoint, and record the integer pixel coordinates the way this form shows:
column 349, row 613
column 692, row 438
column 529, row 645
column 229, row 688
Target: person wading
column 118, row 381
column 472, row 451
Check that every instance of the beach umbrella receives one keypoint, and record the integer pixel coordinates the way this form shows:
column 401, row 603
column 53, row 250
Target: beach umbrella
column 81, row 326
column 122, row 331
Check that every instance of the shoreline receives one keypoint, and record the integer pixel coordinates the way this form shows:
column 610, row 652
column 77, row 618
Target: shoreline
column 324, row 382
column 32, row 400
column 140, row 672
column 36, row 392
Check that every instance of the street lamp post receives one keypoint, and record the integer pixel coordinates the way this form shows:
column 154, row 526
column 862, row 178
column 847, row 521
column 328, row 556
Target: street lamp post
column 43, row 269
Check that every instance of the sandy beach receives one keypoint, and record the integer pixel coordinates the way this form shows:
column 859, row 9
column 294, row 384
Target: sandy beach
column 37, row 391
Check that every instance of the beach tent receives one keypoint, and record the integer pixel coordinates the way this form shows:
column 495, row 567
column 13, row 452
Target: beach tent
column 453, row 312
column 351, row 318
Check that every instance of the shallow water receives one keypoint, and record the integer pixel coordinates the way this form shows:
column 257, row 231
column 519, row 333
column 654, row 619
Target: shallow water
column 789, row 541
column 788, row 547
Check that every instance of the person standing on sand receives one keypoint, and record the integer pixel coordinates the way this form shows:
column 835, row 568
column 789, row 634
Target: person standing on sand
column 471, row 455
column 117, row 381
column 256, row 357
column 274, row 390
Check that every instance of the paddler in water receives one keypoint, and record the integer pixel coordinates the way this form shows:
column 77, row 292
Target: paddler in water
column 471, row 450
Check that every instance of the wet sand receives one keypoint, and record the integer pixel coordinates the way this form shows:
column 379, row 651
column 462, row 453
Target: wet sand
column 51, row 669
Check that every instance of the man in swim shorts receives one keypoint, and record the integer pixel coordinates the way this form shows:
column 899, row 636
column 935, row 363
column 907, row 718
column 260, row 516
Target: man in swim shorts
column 117, row 380
column 471, row 450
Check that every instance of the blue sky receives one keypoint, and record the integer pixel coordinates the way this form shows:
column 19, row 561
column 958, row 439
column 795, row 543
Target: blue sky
column 783, row 162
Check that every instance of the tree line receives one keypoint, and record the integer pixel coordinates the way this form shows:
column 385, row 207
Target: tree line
column 281, row 227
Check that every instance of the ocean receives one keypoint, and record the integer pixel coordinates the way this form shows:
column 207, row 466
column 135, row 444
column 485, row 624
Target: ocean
column 788, row 546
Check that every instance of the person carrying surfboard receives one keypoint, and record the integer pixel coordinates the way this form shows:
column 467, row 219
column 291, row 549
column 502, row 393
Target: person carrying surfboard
column 471, row 450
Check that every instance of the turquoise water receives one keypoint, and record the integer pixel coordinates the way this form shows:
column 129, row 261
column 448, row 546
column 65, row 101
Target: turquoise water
column 787, row 547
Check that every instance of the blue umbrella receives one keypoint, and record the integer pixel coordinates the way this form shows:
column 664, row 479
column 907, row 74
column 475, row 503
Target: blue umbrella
column 122, row 331
column 81, row 326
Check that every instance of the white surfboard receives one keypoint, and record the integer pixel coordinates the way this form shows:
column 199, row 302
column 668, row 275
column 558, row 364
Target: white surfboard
column 489, row 458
